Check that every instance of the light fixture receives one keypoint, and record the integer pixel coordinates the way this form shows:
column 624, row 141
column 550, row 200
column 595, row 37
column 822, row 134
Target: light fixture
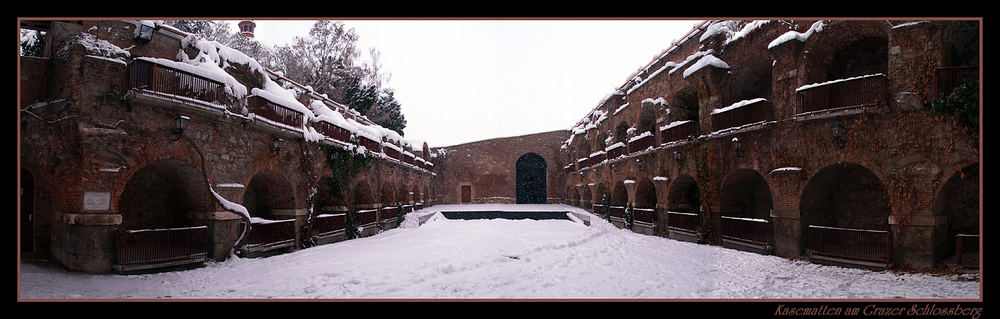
column 838, row 131
column 276, row 146
column 180, row 125
column 678, row 157
column 145, row 33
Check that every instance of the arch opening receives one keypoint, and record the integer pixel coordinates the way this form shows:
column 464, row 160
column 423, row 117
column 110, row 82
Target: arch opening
column 268, row 191
column 161, row 194
column 531, row 179
column 958, row 202
column 745, row 194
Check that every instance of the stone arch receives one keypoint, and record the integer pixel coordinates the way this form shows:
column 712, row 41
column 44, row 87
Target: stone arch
column 684, row 105
column 621, row 132
column 416, row 196
column 748, row 80
column 645, row 194
column 601, row 142
column 619, row 194
column 531, row 179
column 583, row 149
column 162, row 193
column 327, row 198
column 387, row 195
column 845, row 195
column 268, row 191
column 683, row 195
column 363, row 197
column 403, row 194
column 859, row 48
column 602, row 194
column 574, row 197
column 587, row 197
column 647, row 121
column 958, row 203
column 745, row 193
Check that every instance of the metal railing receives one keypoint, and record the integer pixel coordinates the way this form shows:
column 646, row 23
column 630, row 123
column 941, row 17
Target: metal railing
column 333, row 131
column 683, row 221
column 679, row 132
column 749, row 231
column 948, row 78
column 152, row 246
column 617, row 211
column 647, row 215
column 761, row 110
column 863, row 91
column 325, row 224
column 365, row 217
column 154, row 77
column 851, row 244
column 616, row 152
column 967, row 251
column 600, row 210
column 271, row 233
column 372, row 145
column 274, row 112
column 641, row 144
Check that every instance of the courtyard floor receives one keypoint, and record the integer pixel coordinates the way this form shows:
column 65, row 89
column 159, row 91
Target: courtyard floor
column 501, row 259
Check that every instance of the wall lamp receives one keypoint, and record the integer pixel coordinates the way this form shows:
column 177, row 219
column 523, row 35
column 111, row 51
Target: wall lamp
column 276, row 146
column 180, row 125
column 738, row 146
column 678, row 157
column 145, row 33
column 839, row 132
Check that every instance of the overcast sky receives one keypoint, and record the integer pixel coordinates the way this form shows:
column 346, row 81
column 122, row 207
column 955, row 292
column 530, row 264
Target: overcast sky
column 461, row 81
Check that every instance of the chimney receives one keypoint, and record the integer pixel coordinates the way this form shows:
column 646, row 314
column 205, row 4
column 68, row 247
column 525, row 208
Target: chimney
column 246, row 28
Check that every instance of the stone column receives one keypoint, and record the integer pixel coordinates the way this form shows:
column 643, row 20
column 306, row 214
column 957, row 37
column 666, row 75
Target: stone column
column 787, row 185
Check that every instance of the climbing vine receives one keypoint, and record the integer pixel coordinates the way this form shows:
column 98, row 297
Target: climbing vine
column 705, row 180
column 962, row 103
column 345, row 165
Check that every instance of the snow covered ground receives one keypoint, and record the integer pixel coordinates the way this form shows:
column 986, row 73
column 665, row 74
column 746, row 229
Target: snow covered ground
column 500, row 259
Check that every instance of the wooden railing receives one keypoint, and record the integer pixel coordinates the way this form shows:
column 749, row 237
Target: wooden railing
column 865, row 91
column 270, row 234
column 153, row 246
column 750, row 231
column 757, row 111
column 850, row 244
column 967, row 251
column 641, row 144
column 617, row 211
column 388, row 212
column 679, row 132
column 333, row 131
column 617, row 151
column 154, row 77
column 949, row 78
column 274, row 112
column 683, row 221
column 600, row 210
column 391, row 152
column 365, row 217
column 372, row 145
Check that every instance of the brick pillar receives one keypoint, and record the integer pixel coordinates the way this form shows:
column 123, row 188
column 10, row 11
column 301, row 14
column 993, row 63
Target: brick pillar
column 786, row 187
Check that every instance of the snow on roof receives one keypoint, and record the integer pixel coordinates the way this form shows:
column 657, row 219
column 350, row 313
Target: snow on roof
column 94, row 46
column 657, row 101
column 737, row 105
column 795, row 35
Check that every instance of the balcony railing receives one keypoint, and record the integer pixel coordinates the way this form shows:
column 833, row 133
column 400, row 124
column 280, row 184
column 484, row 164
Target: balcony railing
column 752, row 111
column 369, row 144
column 391, row 152
column 947, row 79
column 683, row 221
column 154, row 77
column 600, row 209
column 677, row 131
column 365, row 217
column 967, row 251
column 863, row 91
column 869, row 246
column 270, row 234
column 333, row 131
column 641, row 144
column 388, row 213
column 616, row 150
column 274, row 112
column 617, row 211
column 647, row 215
column 139, row 248
column 328, row 224
column 756, row 232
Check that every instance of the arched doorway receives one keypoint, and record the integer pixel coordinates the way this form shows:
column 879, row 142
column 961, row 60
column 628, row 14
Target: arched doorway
column 684, row 206
column 531, row 179
column 958, row 202
column 845, row 216
column 745, row 209
column 27, row 193
column 160, row 195
column 268, row 191
column 645, row 202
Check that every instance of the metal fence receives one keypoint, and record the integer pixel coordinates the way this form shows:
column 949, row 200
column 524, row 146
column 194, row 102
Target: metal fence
column 617, row 211
column 851, row 244
column 333, row 131
column 325, row 224
column 151, row 246
column 274, row 112
column 857, row 92
column 641, row 144
column 154, row 77
column 750, row 231
column 967, row 251
column 647, row 215
column 272, row 233
column 679, row 132
column 762, row 110
column 365, row 217
column 683, row 221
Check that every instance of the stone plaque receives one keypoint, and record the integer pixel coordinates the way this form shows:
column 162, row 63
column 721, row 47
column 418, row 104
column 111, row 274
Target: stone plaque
column 99, row 201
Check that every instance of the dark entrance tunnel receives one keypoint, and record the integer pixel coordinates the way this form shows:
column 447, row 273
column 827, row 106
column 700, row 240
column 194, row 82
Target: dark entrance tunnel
column 531, row 179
